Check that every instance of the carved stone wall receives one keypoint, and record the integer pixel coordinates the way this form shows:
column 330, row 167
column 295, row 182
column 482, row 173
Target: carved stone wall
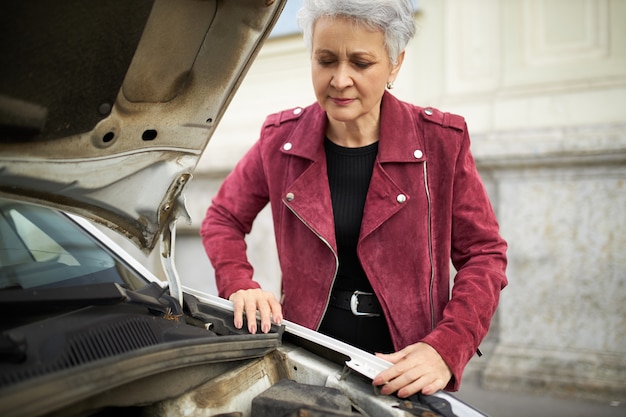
column 561, row 324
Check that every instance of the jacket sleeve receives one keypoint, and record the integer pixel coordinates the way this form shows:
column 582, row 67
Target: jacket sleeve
column 229, row 219
column 478, row 253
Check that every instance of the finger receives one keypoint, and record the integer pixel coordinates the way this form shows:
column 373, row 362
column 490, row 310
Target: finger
column 277, row 311
column 407, row 383
column 395, row 357
column 270, row 311
column 415, row 380
column 398, row 359
column 389, row 357
column 393, row 385
column 238, row 305
column 411, row 389
column 251, row 316
column 387, row 375
column 432, row 388
column 264, row 313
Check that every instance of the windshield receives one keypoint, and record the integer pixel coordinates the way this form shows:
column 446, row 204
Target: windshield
column 40, row 247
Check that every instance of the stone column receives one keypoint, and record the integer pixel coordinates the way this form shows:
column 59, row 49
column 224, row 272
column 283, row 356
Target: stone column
column 561, row 200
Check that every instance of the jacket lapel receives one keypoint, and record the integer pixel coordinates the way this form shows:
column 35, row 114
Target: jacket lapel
column 310, row 201
column 308, row 196
column 400, row 142
column 382, row 201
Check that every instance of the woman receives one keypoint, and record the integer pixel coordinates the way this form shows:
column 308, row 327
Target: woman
column 371, row 197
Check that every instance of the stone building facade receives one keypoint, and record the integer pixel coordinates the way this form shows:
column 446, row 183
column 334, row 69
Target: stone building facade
column 542, row 84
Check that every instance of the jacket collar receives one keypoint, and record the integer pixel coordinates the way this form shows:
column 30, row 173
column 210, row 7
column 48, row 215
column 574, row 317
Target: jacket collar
column 306, row 140
column 399, row 137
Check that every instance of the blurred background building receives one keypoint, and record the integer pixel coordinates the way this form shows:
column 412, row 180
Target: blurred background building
column 542, row 84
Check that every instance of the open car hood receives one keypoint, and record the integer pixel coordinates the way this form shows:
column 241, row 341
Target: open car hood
column 106, row 107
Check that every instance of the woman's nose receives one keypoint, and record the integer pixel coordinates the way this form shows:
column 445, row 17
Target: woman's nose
column 342, row 77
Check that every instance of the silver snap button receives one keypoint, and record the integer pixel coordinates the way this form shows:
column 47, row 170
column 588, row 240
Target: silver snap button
column 290, row 196
column 418, row 154
column 287, row 146
column 297, row 111
column 401, row 198
column 429, row 112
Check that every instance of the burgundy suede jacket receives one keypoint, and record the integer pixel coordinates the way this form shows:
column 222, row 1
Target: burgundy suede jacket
column 426, row 205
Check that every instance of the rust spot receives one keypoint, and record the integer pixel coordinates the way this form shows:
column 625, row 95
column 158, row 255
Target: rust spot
column 169, row 316
column 268, row 3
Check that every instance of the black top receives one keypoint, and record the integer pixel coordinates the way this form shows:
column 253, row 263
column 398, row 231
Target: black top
column 349, row 174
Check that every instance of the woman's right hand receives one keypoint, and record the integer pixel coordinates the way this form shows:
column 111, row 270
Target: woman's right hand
column 251, row 301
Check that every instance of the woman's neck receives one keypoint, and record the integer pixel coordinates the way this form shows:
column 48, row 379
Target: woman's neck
column 352, row 135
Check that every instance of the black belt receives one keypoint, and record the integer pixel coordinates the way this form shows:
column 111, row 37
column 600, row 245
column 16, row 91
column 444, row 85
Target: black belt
column 358, row 302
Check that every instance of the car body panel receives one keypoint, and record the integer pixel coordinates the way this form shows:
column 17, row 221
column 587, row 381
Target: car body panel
column 138, row 347
column 128, row 168
column 86, row 318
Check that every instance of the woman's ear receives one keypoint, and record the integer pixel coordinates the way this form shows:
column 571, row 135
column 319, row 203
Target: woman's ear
column 396, row 67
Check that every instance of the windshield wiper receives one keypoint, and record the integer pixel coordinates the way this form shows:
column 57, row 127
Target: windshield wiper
column 38, row 300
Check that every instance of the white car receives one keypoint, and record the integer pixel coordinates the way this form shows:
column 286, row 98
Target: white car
column 105, row 109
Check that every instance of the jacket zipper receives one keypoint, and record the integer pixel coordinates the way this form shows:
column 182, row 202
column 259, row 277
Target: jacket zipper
column 317, row 326
column 430, row 251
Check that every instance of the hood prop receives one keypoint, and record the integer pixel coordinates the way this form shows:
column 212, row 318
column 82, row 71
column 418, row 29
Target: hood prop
column 174, row 206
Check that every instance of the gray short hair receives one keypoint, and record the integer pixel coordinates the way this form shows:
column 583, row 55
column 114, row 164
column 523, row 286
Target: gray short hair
column 393, row 17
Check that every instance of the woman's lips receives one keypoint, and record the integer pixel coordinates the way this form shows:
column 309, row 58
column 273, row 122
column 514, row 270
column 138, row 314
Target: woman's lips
column 342, row 101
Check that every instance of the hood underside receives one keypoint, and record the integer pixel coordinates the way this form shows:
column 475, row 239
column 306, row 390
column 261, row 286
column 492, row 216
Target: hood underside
column 106, row 107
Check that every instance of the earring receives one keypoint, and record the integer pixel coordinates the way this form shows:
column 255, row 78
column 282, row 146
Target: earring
column 390, row 85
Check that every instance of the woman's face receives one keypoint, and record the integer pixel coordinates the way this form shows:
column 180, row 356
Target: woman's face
column 350, row 70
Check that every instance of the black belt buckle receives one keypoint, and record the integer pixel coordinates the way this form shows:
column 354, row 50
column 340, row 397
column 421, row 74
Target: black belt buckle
column 354, row 304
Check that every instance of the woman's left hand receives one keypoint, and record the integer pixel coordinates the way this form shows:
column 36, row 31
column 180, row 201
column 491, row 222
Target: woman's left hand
column 416, row 368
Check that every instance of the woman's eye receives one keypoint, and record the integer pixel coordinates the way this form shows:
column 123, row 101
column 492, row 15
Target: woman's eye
column 324, row 62
column 362, row 65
